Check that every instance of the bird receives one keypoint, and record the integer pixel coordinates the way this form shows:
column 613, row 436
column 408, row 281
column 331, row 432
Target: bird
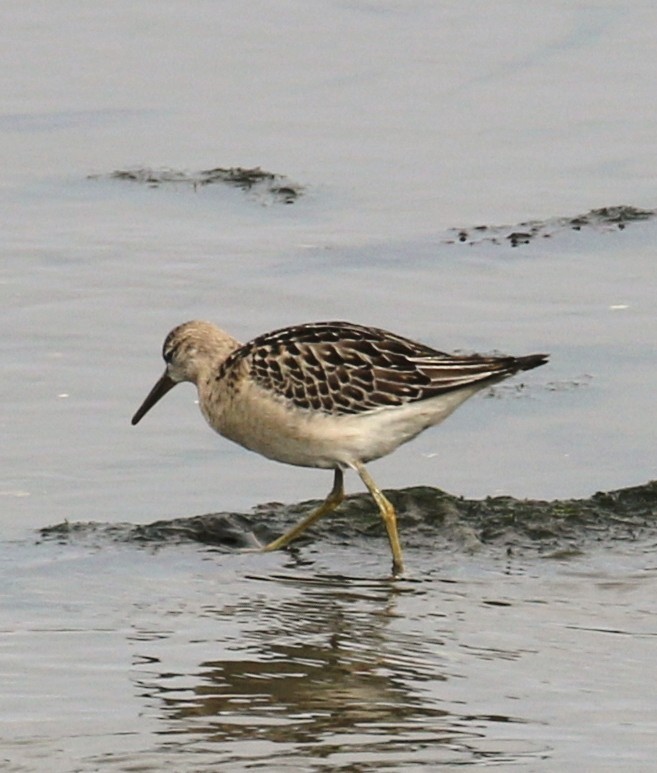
column 331, row 395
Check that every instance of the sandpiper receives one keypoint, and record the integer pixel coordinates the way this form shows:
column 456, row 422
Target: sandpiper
column 333, row 395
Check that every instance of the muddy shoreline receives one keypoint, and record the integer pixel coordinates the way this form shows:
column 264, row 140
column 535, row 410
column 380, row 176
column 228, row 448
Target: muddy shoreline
column 426, row 515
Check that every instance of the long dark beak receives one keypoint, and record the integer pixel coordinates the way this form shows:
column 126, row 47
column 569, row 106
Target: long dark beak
column 157, row 392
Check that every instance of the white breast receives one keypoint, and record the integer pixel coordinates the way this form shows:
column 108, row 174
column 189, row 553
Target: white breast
column 291, row 435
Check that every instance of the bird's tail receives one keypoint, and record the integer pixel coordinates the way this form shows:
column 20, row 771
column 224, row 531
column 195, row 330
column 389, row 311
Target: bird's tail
column 530, row 361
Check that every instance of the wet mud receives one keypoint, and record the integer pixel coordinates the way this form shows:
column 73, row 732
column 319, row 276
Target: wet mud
column 604, row 219
column 426, row 516
column 265, row 186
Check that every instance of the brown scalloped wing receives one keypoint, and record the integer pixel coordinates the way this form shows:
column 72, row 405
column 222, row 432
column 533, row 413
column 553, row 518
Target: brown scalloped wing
column 341, row 368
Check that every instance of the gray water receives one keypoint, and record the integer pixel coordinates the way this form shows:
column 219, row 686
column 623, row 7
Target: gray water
column 400, row 121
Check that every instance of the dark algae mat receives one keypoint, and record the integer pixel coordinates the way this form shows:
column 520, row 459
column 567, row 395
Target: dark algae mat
column 427, row 517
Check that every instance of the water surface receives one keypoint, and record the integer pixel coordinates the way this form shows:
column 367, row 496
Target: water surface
column 401, row 122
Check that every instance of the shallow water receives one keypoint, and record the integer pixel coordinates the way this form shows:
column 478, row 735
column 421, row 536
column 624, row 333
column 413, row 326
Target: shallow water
column 401, row 122
column 201, row 659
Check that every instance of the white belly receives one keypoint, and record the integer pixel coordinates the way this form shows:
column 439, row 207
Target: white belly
column 309, row 439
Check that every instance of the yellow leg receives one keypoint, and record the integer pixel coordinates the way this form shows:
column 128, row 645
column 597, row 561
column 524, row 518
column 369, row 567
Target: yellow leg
column 387, row 514
column 334, row 498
